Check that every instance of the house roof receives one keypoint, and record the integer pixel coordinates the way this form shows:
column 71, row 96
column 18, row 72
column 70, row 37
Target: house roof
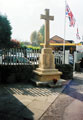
column 57, row 39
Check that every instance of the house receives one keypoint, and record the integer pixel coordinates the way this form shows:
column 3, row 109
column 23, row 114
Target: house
column 57, row 43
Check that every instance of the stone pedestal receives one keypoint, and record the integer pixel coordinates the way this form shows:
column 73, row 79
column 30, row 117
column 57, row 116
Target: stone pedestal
column 46, row 71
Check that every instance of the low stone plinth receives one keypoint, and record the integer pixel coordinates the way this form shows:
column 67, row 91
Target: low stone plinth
column 59, row 83
column 47, row 74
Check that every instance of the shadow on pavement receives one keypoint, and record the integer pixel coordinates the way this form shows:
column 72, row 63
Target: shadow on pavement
column 73, row 91
column 24, row 89
column 11, row 108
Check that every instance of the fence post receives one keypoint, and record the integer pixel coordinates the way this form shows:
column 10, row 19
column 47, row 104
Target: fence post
column 0, row 59
column 75, row 59
column 82, row 54
column 67, row 57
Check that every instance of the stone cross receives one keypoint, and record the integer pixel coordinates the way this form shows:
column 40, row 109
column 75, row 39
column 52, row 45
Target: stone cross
column 47, row 18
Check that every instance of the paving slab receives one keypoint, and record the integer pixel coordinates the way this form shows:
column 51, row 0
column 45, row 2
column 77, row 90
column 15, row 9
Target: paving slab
column 78, row 74
column 76, row 113
column 25, row 102
column 69, row 104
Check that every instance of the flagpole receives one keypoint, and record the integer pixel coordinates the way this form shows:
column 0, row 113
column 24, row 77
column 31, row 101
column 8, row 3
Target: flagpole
column 64, row 35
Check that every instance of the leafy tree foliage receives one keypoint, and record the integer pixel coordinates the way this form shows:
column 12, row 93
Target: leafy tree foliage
column 5, row 31
column 42, row 31
column 39, row 38
column 34, row 38
column 15, row 43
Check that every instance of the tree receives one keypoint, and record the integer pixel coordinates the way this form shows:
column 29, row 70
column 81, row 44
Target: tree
column 39, row 38
column 34, row 38
column 5, row 31
column 15, row 43
column 42, row 31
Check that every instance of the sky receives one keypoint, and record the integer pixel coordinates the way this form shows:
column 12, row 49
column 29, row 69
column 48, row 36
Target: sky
column 24, row 17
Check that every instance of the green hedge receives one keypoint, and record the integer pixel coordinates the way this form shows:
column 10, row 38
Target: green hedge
column 67, row 71
column 24, row 73
column 16, row 73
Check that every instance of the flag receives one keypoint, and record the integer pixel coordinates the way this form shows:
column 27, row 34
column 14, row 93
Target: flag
column 77, row 35
column 69, row 14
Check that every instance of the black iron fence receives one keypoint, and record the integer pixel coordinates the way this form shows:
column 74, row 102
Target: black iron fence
column 19, row 56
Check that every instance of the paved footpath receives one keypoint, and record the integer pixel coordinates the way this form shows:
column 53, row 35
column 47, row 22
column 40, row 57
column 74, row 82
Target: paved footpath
column 27, row 102
column 69, row 104
column 24, row 101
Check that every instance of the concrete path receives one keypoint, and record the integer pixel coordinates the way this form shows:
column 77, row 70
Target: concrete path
column 69, row 105
column 25, row 102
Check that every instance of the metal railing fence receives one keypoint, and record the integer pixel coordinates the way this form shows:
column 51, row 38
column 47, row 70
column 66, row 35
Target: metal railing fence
column 18, row 56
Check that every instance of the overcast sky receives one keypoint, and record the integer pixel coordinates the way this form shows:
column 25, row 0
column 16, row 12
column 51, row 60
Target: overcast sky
column 24, row 16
